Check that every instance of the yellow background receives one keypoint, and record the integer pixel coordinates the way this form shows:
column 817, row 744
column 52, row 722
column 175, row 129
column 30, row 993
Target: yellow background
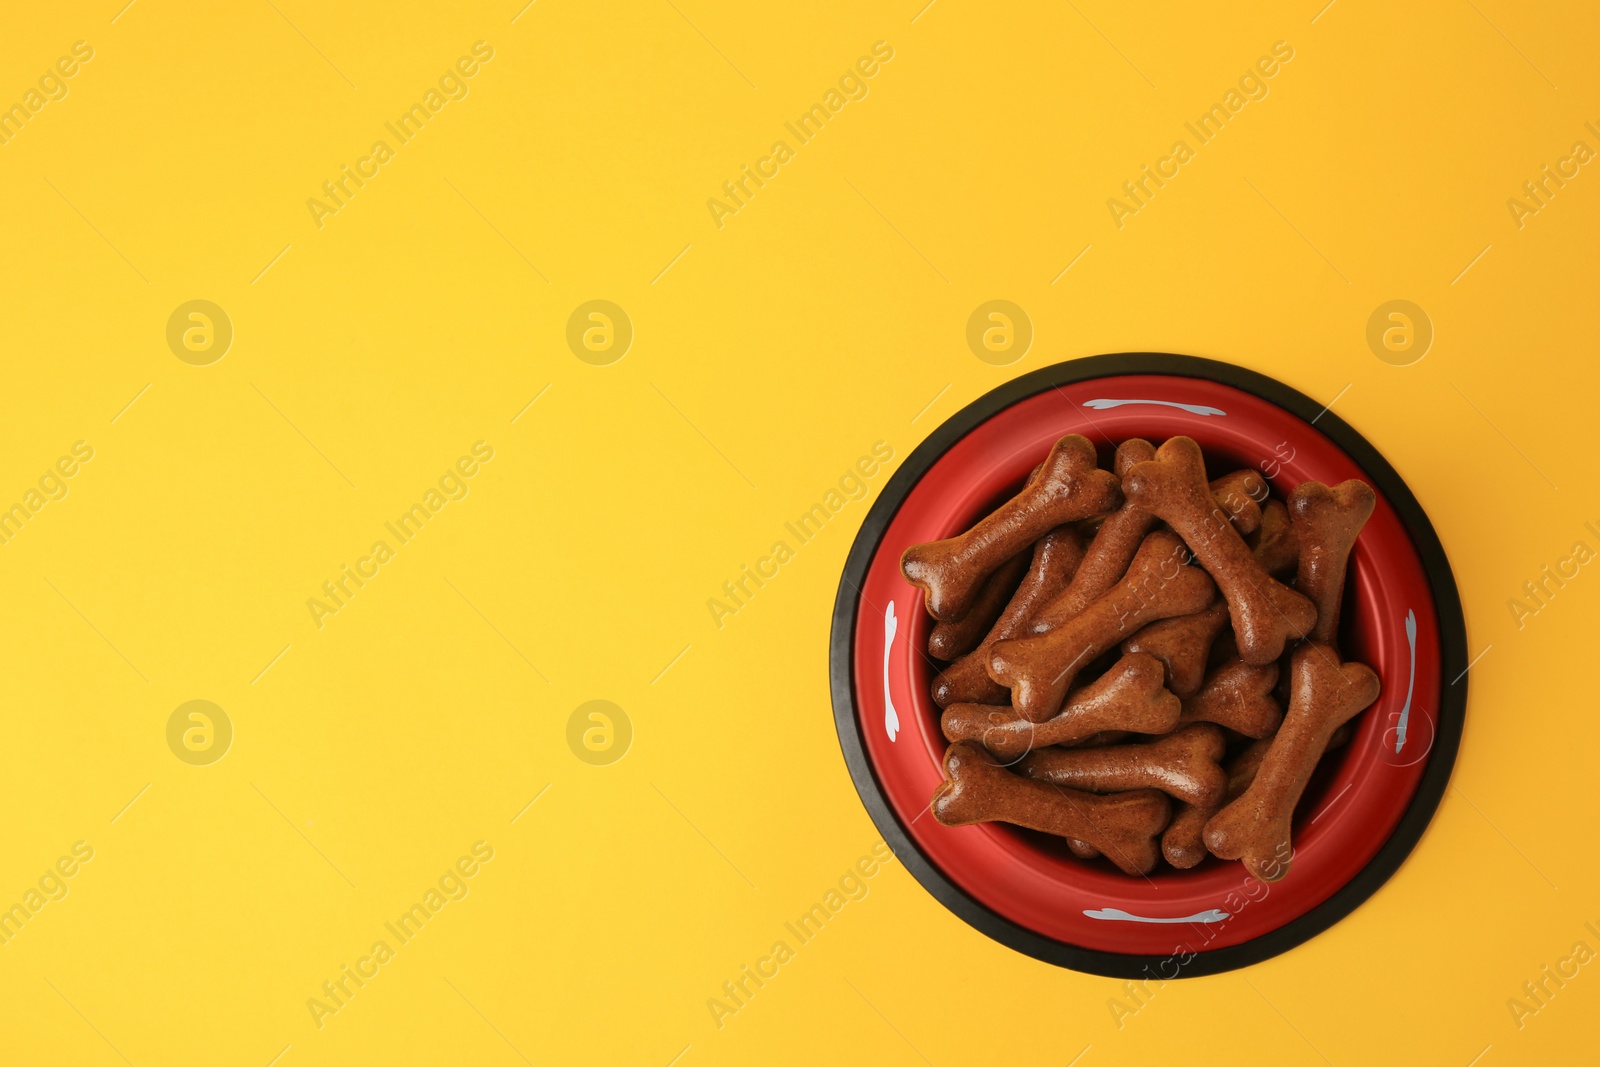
column 769, row 354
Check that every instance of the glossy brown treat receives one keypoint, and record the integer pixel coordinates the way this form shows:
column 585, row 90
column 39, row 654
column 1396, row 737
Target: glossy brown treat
column 1123, row 826
column 1127, row 697
column 1341, row 737
column 1238, row 696
column 1325, row 695
column 1040, row 669
column 1182, row 843
column 1242, row 768
column 1327, row 521
column 1183, row 765
column 1183, row 645
column 1055, row 557
column 1277, row 546
column 1069, row 487
column 1106, row 737
column 1082, row 849
column 950, row 640
column 1109, row 553
column 1240, row 495
column 1265, row 612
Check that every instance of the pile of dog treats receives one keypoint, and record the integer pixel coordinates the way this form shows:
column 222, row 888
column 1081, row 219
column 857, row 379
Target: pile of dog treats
column 1115, row 642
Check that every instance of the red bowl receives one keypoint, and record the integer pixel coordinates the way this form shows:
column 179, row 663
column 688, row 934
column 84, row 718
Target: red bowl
column 1362, row 813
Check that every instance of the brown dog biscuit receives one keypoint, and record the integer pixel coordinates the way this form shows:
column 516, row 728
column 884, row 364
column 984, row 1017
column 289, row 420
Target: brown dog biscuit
column 1183, row 645
column 1341, row 737
column 966, row 681
column 1276, row 544
column 950, row 640
column 1182, row 843
column 1238, row 696
column 1123, row 826
column 1069, row 487
column 1129, row 696
column 1183, row 765
column 1325, row 695
column 1327, row 521
column 1040, row 669
column 1265, row 612
column 1109, row 553
column 1242, row 768
column 1082, row 849
column 1240, row 494
column 1110, row 737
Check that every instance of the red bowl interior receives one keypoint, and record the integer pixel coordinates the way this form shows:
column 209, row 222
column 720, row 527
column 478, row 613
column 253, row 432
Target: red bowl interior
column 1350, row 807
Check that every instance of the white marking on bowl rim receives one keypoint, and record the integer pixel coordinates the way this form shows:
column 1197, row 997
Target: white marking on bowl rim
column 1193, row 409
column 891, row 718
column 1411, row 683
column 1212, row 915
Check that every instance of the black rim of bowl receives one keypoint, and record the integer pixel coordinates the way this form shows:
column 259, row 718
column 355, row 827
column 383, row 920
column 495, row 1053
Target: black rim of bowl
column 1452, row 646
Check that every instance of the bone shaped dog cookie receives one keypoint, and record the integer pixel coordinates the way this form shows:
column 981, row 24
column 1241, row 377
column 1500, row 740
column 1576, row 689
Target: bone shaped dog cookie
column 1276, row 546
column 1324, row 695
column 1109, row 553
column 1239, row 696
column 1129, row 696
column 1265, row 612
column 1240, row 495
column 1123, row 826
column 1182, row 843
column 1106, row 737
column 1069, row 487
column 1327, row 522
column 1183, row 645
column 1183, row 765
column 949, row 640
column 1039, row 669
column 966, row 681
